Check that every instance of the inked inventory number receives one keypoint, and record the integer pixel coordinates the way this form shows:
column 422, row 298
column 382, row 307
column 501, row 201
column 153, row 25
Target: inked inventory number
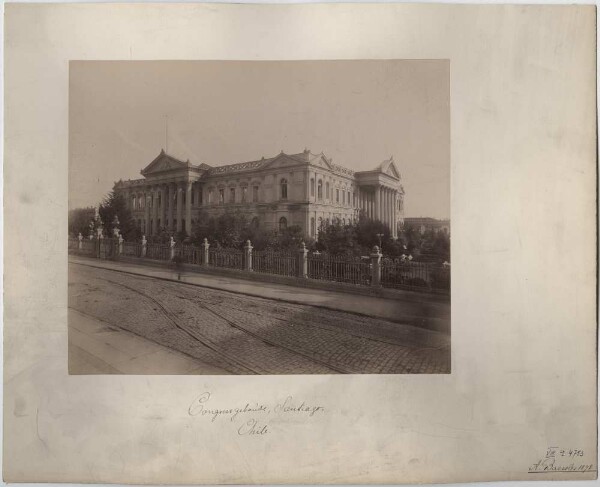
column 559, row 459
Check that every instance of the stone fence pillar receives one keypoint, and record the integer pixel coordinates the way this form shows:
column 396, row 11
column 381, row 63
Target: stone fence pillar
column 376, row 267
column 303, row 261
column 205, row 246
column 248, row 256
column 172, row 247
column 120, row 244
column 80, row 243
column 144, row 245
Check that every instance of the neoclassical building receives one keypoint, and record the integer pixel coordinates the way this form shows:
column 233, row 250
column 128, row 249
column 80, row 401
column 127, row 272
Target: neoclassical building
column 303, row 189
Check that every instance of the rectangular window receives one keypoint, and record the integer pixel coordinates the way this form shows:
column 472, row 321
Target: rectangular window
column 343, row 197
column 199, row 196
column 337, row 195
column 244, row 193
column 221, row 196
column 255, row 194
column 232, row 195
column 312, row 187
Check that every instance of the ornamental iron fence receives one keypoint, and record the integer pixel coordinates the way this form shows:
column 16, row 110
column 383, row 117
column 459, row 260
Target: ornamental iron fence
column 372, row 270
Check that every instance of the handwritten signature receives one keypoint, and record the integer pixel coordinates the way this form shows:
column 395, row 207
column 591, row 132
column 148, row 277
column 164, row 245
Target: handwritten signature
column 562, row 460
column 256, row 415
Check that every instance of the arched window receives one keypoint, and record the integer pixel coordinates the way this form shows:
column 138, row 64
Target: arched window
column 283, row 184
column 255, row 222
column 282, row 223
column 320, row 189
column 344, row 221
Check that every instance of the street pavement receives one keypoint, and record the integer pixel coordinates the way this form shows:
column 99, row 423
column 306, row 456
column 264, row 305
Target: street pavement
column 120, row 322
column 409, row 308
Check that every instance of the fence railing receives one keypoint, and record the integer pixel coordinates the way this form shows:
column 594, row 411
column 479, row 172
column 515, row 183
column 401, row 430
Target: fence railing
column 371, row 270
column 282, row 264
column 417, row 276
column 226, row 258
column 339, row 269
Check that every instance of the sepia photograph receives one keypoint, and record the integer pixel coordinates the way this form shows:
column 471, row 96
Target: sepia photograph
column 259, row 217
column 300, row 244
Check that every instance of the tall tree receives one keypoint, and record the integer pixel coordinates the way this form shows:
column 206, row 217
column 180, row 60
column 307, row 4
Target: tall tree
column 79, row 221
column 115, row 205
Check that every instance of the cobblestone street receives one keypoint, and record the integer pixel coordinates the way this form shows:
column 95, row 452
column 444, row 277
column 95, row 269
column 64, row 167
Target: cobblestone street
column 240, row 334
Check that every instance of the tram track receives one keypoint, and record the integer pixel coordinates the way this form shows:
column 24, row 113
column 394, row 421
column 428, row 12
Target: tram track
column 173, row 319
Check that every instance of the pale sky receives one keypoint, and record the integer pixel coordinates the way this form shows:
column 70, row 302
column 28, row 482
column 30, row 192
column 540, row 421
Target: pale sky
column 220, row 112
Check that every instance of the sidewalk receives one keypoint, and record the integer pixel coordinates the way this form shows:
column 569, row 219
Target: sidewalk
column 407, row 309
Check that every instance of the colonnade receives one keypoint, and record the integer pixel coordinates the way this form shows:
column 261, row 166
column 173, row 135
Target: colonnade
column 164, row 206
column 381, row 203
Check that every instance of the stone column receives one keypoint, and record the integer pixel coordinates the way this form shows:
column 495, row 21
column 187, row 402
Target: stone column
column 394, row 216
column 163, row 206
column 303, row 261
column 188, row 208
column 169, row 206
column 383, row 216
column 378, row 203
column 155, row 210
column 376, row 267
column 147, row 212
column 179, row 191
column 388, row 209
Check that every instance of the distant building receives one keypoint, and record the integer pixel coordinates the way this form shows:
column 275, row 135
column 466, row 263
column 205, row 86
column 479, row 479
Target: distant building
column 424, row 224
column 303, row 189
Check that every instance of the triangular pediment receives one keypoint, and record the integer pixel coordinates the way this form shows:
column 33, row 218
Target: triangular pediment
column 389, row 167
column 321, row 161
column 163, row 162
column 283, row 160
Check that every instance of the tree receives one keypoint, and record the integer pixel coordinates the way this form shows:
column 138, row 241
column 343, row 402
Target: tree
column 226, row 230
column 115, row 205
column 367, row 231
column 79, row 221
column 336, row 238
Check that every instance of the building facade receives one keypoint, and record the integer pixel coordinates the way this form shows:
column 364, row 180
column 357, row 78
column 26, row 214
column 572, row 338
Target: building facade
column 303, row 189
